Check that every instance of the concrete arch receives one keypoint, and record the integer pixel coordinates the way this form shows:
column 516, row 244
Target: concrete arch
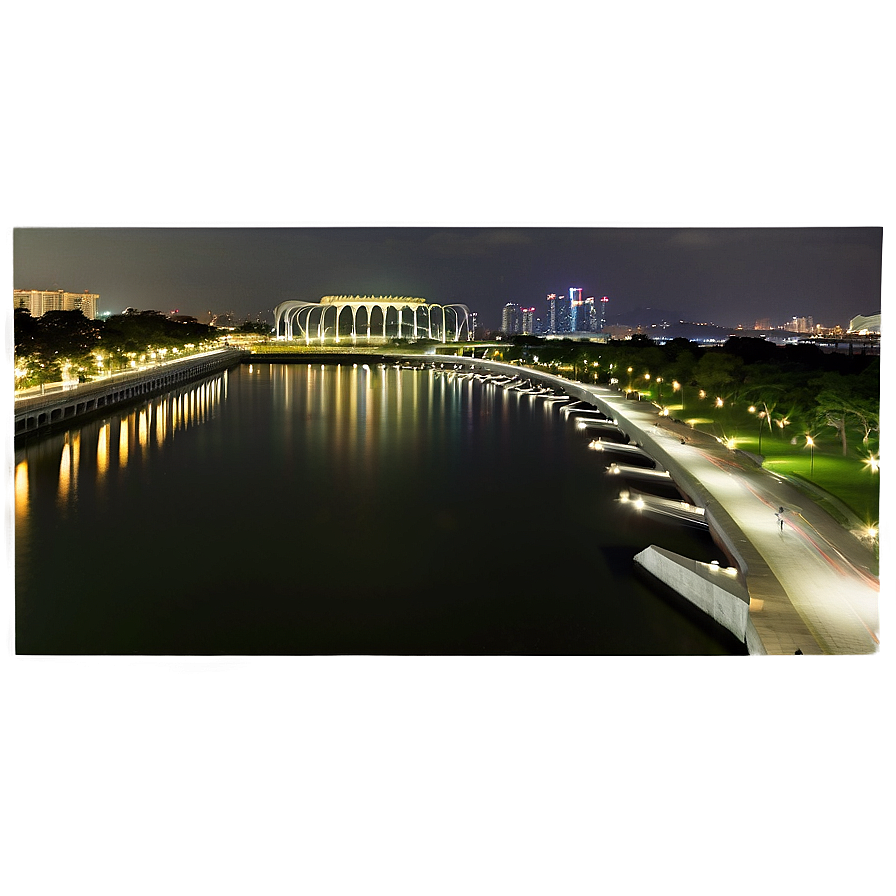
column 369, row 319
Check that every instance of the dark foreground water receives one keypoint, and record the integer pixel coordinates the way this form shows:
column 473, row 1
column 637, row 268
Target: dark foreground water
column 301, row 509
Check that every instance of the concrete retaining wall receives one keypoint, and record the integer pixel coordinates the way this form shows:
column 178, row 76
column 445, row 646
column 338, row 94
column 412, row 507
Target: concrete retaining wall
column 713, row 589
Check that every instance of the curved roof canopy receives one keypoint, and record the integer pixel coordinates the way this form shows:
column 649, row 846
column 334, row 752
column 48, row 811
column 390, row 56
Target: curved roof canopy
column 342, row 300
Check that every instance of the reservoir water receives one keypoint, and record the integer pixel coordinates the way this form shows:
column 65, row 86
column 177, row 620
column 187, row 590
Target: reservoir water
column 294, row 509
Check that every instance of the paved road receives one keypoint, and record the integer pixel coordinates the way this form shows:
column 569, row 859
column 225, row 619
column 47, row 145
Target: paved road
column 821, row 595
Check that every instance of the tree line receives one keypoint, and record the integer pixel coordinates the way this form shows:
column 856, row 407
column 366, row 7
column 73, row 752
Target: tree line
column 793, row 384
column 66, row 342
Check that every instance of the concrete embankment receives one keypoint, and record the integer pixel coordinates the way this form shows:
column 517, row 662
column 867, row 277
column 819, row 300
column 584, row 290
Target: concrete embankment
column 39, row 414
column 711, row 588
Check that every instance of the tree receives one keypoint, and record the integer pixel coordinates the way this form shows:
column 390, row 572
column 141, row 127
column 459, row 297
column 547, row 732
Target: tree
column 718, row 372
column 750, row 349
column 867, row 412
column 68, row 333
column 25, row 331
column 835, row 402
column 46, row 345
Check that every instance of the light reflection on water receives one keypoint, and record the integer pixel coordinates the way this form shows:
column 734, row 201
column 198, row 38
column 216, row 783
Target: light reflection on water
column 21, row 491
column 334, row 509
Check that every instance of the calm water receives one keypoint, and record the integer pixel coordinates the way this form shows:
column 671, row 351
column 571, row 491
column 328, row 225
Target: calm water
column 301, row 509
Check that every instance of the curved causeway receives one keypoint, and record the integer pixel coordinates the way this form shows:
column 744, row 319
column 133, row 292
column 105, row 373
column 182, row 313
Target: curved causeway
column 810, row 584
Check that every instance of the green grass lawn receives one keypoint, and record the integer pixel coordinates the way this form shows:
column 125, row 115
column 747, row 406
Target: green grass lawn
column 849, row 479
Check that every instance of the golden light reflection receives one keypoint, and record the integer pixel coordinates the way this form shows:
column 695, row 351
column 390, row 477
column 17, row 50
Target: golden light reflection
column 143, row 429
column 339, row 419
column 76, row 457
column 353, row 401
column 65, row 469
column 102, row 449
column 21, row 490
column 123, row 442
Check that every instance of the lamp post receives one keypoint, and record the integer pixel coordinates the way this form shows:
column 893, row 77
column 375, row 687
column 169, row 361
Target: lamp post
column 659, row 392
column 629, row 379
column 811, row 444
column 762, row 415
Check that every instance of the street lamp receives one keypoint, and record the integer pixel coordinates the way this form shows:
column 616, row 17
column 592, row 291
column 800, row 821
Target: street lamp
column 761, row 417
column 659, row 392
column 811, row 444
column 629, row 379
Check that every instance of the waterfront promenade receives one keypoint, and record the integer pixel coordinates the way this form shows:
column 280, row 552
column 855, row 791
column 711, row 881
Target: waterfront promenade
column 812, row 584
column 38, row 410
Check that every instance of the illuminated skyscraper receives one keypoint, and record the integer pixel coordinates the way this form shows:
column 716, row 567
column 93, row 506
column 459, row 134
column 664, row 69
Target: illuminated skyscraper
column 527, row 315
column 590, row 316
column 552, row 313
column 559, row 316
column 510, row 319
column 604, row 302
column 575, row 308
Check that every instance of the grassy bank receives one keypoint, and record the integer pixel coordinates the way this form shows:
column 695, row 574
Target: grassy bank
column 812, row 455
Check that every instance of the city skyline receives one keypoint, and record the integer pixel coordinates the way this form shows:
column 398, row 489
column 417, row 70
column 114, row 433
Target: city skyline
column 728, row 276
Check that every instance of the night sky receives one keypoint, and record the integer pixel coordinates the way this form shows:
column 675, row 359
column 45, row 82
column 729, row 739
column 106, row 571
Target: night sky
column 727, row 276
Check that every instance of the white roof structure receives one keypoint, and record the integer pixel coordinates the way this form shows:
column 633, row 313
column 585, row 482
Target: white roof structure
column 865, row 323
column 370, row 319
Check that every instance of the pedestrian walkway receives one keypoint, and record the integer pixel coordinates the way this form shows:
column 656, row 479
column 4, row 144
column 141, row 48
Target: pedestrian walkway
column 811, row 582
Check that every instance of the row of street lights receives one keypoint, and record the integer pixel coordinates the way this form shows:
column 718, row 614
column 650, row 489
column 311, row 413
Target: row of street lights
column 762, row 416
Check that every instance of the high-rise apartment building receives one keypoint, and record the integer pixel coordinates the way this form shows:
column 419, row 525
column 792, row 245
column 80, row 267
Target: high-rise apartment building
column 576, row 308
column 559, row 316
column 800, row 325
column 38, row 301
column 510, row 319
column 604, row 302
column 527, row 321
column 589, row 318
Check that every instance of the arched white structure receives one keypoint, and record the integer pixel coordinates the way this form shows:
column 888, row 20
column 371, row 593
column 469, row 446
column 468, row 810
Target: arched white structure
column 367, row 319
